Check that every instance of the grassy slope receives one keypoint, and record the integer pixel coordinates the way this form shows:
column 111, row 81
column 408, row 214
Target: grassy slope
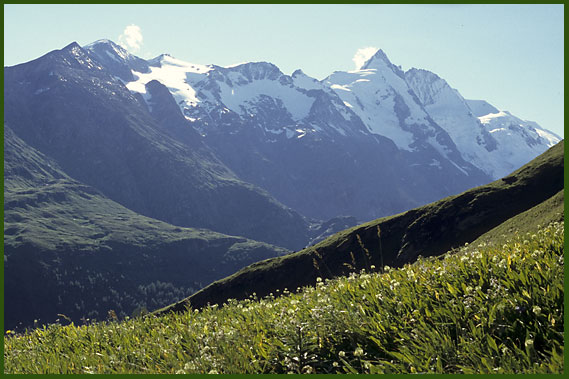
column 69, row 249
column 426, row 231
column 485, row 309
column 551, row 210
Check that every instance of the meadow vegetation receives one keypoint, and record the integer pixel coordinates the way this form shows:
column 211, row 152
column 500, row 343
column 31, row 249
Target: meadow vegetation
column 482, row 308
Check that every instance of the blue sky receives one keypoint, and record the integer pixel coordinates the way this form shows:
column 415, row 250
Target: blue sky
column 509, row 55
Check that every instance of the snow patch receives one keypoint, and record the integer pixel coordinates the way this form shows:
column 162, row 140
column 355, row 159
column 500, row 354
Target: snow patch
column 343, row 88
column 240, row 98
column 174, row 74
column 487, row 119
column 306, row 82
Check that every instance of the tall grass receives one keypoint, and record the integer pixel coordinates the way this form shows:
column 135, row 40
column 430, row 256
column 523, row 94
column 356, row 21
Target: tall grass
column 483, row 309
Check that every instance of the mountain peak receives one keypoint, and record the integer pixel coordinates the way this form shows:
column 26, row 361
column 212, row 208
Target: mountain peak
column 379, row 58
column 258, row 70
column 157, row 61
column 71, row 47
column 116, row 58
column 99, row 42
column 108, row 47
column 379, row 61
column 298, row 72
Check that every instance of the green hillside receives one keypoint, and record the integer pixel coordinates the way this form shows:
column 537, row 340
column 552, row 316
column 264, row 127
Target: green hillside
column 483, row 309
column 551, row 210
column 430, row 230
column 70, row 250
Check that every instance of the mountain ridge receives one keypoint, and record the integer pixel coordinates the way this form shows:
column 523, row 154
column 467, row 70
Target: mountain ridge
column 396, row 240
column 254, row 116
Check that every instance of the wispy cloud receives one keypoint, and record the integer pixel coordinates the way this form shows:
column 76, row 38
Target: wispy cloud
column 363, row 54
column 131, row 38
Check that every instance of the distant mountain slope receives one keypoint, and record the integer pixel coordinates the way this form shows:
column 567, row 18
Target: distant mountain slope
column 367, row 143
column 70, row 250
column 429, row 230
column 256, row 145
column 486, row 137
column 295, row 137
column 70, row 107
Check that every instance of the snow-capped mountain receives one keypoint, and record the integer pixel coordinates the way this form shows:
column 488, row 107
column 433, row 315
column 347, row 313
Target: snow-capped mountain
column 71, row 107
column 219, row 96
column 116, row 59
column 366, row 143
column 379, row 94
column 493, row 140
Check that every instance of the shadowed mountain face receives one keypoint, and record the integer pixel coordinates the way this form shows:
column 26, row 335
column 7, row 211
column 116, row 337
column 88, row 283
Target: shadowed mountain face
column 427, row 231
column 69, row 107
column 70, row 250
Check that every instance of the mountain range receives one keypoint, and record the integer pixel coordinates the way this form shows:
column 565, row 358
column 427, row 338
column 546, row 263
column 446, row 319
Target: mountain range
column 322, row 147
column 127, row 177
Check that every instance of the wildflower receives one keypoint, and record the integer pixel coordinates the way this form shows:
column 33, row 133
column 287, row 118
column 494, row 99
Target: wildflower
column 502, row 264
column 88, row 370
column 358, row 352
column 307, row 370
column 189, row 366
column 342, row 354
column 335, row 364
column 529, row 342
column 537, row 310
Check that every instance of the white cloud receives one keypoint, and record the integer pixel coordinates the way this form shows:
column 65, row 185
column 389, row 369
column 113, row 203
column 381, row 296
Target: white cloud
column 362, row 55
column 131, row 38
